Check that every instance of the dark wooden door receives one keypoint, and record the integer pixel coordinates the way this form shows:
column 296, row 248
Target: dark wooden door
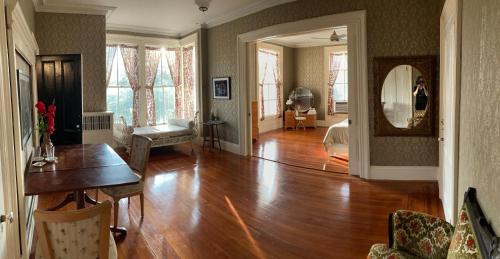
column 59, row 81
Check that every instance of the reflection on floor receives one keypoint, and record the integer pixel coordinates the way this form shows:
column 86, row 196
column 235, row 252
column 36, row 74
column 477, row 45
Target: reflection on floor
column 299, row 148
column 220, row 205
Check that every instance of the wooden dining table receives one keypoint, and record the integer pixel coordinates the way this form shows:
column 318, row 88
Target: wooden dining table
column 78, row 168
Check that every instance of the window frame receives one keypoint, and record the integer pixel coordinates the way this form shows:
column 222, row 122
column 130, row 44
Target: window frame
column 143, row 42
column 279, row 51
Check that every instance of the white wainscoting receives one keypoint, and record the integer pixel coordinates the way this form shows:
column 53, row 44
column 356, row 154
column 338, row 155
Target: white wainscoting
column 404, row 173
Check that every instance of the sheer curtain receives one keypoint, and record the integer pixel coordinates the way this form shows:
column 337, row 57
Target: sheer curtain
column 153, row 56
column 110, row 56
column 174, row 65
column 131, row 62
column 269, row 75
column 276, row 72
column 262, row 75
column 187, row 58
column 335, row 62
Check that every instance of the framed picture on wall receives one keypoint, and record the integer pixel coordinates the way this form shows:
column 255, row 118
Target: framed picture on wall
column 25, row 106
column 222, row 87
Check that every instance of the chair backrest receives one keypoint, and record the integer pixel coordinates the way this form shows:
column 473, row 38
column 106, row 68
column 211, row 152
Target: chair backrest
column 74, row 234
column 139, row 154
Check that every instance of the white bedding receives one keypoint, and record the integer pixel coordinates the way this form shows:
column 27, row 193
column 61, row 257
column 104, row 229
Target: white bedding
column 337, row 136
column 159, row 131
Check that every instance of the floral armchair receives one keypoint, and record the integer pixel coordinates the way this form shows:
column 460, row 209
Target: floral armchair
column 418, row 235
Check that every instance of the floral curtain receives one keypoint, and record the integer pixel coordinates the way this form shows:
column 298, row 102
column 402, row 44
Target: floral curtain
column 110, row 56
column 262, row 75
column 153, row 56
column 335, row 62
column 188, row 82
column 131, row 62
column 174, row 65
column 276, row 72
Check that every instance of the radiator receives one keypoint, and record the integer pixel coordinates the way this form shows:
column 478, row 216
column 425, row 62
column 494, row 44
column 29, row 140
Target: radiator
column 98, row 128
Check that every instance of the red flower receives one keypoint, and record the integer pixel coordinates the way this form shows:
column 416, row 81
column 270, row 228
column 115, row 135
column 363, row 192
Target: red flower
column 40, row 106
column 52, row 110
column 50, row 125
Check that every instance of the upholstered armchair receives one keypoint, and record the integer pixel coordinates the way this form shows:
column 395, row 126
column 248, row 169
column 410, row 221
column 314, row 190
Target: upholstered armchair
column 418, row 235
column 75, row 234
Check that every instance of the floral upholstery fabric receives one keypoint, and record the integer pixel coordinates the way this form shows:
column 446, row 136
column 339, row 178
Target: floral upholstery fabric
column 463, row 242
column 420, row 234
column 381, row 251
column 125, row 190
column 78, row 239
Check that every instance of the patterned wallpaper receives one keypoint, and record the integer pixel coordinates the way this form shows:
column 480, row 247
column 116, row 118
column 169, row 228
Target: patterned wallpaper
column 309, row 73
column 73, row 34
column 394, row 28
column 479, row 163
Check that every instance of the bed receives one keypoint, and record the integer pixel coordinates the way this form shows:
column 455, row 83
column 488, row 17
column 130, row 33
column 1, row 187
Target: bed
column 176, row 131
column 336, row 140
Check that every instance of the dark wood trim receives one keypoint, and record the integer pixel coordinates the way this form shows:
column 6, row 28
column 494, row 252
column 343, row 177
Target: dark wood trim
column 427, row 66
column 489, row 243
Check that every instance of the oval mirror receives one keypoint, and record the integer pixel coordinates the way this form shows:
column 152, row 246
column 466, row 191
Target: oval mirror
column 404, row 97
column 302, row 98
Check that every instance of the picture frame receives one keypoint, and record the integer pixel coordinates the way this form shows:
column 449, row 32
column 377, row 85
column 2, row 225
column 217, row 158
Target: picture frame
column 221, row 88
column 25, row 106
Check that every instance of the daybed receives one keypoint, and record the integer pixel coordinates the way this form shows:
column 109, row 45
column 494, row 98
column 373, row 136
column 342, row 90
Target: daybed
column 176, row 131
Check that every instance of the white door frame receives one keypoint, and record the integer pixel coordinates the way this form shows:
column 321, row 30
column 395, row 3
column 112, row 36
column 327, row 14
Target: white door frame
column 356, row 22
column 451, row 19
column 21, row 40
column 7, row 157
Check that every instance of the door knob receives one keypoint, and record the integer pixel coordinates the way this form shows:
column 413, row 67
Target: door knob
column 9, row 217
column 78, row 126
column 440, row 139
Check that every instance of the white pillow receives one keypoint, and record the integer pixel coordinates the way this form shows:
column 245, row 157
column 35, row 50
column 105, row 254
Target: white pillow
column 182, row 123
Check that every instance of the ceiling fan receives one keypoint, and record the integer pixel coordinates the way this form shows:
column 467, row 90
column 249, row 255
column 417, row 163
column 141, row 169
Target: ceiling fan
column 334, row 37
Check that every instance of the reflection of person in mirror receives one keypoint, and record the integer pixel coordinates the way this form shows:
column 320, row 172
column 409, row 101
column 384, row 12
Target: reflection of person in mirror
column 420, row 93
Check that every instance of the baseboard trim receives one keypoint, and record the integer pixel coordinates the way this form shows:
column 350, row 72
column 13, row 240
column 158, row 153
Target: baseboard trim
column 404, row 173
column 230, row 147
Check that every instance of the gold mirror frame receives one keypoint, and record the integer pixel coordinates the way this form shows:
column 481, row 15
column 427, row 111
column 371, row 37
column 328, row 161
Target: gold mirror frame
column 427, row 66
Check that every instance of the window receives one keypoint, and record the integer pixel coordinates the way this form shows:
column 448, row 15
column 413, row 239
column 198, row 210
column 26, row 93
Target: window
column 268, row 83
column 119, row 93
column 164, row 90
column 340, row 87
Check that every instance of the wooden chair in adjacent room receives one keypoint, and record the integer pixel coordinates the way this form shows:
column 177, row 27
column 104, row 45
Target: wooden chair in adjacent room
column 300, row 120
column 75, row 234
column 138, row 162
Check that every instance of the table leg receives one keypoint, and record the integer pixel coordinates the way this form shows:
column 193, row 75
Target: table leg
column 212, row 141
column 80, row 199
column 69, row 198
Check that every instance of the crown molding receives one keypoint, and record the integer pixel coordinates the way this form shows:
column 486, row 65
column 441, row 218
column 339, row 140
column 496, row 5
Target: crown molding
column 250, row 9
column 46, row 6
column 305, row 45
column 142, row 30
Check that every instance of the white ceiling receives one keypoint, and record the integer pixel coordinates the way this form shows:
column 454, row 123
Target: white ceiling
column 310, row 39
column 167, row 17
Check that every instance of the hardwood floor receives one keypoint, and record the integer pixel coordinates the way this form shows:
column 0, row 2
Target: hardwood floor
column 299, row 148
column 220, row 205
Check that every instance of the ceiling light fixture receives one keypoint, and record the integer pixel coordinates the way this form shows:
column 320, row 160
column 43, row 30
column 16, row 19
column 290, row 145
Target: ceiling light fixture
column 203, row 4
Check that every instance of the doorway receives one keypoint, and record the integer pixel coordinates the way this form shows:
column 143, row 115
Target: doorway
column 358, row 127
column 300, row 99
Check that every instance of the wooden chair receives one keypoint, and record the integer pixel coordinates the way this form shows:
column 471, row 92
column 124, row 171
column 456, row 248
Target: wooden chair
column 75, row 234
column 139, row 157
column 300, row 120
